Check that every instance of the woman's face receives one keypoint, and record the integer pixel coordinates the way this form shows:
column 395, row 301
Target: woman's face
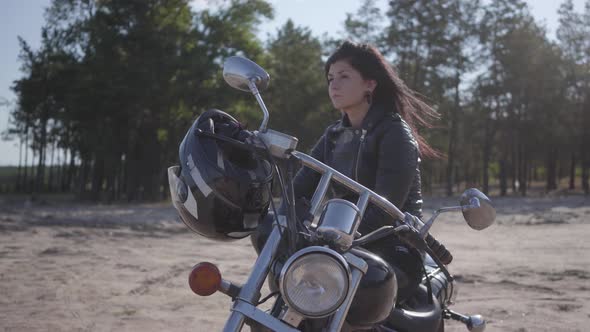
column 346, row 86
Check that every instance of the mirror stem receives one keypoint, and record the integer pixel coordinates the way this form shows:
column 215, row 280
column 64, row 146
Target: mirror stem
column 424, row 230
column 473, row 203
column 254, row 89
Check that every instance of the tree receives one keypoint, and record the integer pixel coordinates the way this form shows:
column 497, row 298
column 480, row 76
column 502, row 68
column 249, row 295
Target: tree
column 297, row 98
column 493, row 99
column 119, row 83
column 573, row 36
column 365, row 25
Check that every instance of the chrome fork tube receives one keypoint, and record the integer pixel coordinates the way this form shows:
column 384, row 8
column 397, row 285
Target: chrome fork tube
column 250, row 292
column 358, row 268
column 318, row 197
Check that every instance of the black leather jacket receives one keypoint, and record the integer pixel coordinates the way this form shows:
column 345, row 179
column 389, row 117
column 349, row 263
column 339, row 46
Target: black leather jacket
column 382, row 156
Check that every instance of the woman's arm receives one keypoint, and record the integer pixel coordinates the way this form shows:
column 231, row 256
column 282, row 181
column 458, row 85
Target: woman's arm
column 307, row 179
column 397, row 165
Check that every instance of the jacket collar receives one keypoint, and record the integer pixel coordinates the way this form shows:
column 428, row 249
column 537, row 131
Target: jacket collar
column 374, row 116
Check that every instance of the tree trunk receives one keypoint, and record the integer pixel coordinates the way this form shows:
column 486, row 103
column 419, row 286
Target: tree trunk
column 164, row 184
column 585, row 184
column 585, row 172
column 152, row 182
column 450, row 162
column 562, row 171
column 452, row 138
column 551, row 170
column 131, row 181
column 485, row 166
column 20, row 162
column 83, row 177
column 40, row 176
column 71, row 171
column 511, row 149
column 513, row 168
column 523, row 174
column 65, row 184
column 122, row 177
column 97, row 178
column 109, row 189
column 522, row 170
column 50, row 181
column 530, row 173
column 31, row 184
column 486, row 156
column 573, row 172
column 25, row 176
column 503, row 178
column 585, row 155
column 64, row 172
column 58, row 171
column 118, row 176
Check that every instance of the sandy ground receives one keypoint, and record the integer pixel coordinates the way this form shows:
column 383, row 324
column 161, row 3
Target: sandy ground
column 125, row 267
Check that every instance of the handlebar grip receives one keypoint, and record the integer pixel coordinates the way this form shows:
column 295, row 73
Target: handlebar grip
column 439, row 249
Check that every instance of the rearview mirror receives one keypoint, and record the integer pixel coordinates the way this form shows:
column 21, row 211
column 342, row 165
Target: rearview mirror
column 244, row 74
column 478, row 210
column 238, row 72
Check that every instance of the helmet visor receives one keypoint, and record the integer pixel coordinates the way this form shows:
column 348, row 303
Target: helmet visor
column 179, row 195
column 175, row 183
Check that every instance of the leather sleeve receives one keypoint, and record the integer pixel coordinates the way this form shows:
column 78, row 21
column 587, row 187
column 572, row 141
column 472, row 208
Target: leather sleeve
column 397, row 167
column 307, row 179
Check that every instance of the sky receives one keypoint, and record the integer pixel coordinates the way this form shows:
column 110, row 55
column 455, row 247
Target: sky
column 25, row 17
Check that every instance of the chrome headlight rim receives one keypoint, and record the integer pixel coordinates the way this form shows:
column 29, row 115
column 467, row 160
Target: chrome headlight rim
column 305, row 252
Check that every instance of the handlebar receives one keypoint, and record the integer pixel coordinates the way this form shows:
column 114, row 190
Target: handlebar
column 366, row 195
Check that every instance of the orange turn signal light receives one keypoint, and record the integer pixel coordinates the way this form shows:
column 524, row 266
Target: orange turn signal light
column 204, row 279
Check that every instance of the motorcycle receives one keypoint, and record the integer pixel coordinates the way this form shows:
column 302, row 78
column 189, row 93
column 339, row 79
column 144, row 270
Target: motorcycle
column 321, row 278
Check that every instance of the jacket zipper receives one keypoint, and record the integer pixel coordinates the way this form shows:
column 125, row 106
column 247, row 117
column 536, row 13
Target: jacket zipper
column 358, row 155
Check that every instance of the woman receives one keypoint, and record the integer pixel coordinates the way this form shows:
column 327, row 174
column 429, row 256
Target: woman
column 375, row 143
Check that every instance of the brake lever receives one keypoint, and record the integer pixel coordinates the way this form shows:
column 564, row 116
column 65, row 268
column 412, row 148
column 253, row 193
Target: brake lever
column 380, row 233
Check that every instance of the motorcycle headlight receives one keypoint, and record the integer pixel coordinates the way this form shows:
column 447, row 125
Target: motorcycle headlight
column 315, row 281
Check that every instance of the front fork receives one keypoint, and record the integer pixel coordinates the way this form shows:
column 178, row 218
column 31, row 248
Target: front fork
column 244, row 305
column 358, row 268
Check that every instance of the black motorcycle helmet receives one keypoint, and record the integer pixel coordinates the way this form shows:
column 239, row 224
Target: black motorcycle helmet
column 220, row 191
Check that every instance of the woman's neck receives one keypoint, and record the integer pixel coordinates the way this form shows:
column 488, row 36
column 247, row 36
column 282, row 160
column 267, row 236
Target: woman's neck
column 356, row 114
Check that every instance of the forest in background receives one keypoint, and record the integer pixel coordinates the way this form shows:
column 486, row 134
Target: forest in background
column 105, row 100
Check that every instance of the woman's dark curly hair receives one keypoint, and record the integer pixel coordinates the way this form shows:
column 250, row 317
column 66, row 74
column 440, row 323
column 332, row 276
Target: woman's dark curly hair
column 390, row 91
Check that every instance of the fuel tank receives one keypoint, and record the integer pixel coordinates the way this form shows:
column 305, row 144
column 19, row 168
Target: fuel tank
column 376, row 294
